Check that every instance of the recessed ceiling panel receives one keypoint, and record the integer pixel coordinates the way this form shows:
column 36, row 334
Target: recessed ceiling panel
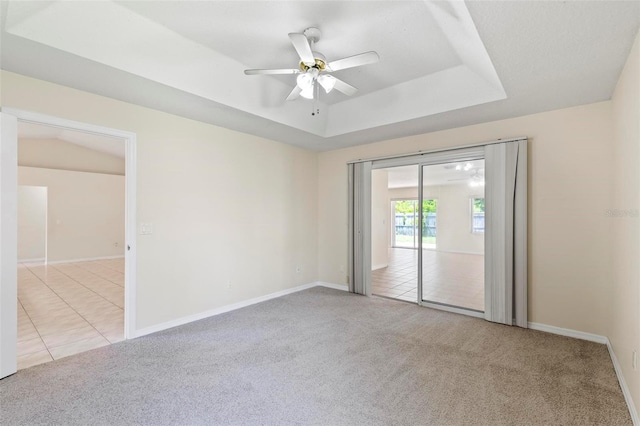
column 203, row 47
column 404, row 33
column 442, row 64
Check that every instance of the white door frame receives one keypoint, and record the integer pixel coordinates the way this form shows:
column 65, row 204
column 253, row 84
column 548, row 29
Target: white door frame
column 8, row 244
column 130, row 205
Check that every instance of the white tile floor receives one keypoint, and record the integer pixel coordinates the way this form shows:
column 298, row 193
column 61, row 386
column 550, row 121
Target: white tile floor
column 451, row 278
column 68, row 308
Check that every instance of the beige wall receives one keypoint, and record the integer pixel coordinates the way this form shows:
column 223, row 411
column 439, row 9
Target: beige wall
column 380, row 212
column 454, row 218
column 569, row 163
column 232, row 214
column 32, row 222
column 403, row 193
column 85, row 212
column 624, row 326
column 62, row 155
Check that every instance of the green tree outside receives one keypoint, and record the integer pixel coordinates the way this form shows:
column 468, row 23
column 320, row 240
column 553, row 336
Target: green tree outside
column 408, row 206
column 478, row 205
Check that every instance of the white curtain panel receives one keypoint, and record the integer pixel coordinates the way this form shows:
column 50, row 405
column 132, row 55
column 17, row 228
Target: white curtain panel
column 360, row 228
column 506, row 233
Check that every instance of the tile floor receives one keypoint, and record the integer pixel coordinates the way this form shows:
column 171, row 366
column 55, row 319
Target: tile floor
column 68, row 308
column 450, row 278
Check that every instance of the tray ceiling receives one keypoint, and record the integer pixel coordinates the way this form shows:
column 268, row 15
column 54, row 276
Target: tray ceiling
column 442, row 64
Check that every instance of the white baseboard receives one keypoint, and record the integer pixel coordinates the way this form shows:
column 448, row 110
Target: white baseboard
column 597, row 339
column 568, row 332
column 623, row 385
column 225, row 309
column 86, row 259
column 376, row 267
column 459, row 252
column 342, row 287
column 39, row 259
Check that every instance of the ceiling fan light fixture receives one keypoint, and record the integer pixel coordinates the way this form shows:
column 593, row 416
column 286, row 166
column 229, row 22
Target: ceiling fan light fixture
column 307, row 92
column 304, row 81
column 327, row 82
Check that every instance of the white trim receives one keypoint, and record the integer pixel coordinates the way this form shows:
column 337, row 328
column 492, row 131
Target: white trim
column 34, row 260
column 37, row 118
column 130, row 198
column 221, row 310
column 623, row 385
column 458, row 252
column 8, row 244
column 453, row 309
column 431, row 151
column 343, row 287
column 568, row 332
column 85, row 259
column 376, row 267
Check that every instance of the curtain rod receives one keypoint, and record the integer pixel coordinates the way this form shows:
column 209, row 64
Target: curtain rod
column 389, row 157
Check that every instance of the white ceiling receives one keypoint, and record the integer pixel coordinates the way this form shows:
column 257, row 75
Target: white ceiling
column 437, row 174
column 104, row 144
column 443, row 64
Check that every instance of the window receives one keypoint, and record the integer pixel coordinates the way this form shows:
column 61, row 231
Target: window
column 477, row 215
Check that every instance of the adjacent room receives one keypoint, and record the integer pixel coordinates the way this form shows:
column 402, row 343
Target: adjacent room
column 325, row 212
column 450, row 234
column 70, row 242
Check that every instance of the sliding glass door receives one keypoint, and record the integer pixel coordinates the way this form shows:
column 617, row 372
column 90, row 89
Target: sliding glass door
column 406, row 229
column 452, row 273
column 457, row 210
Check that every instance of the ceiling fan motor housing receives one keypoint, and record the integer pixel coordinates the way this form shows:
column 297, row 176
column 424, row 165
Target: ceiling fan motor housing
column 313, row 35
column 320, row 65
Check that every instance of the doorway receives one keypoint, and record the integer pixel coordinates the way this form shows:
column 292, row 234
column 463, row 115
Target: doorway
column 493, row 217
column 435, row 223
column 453, row 274
column 32, row 224
column 59, row 279
column 405, row 215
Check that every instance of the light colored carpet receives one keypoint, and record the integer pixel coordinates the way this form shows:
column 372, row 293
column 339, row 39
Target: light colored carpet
column 326, row 357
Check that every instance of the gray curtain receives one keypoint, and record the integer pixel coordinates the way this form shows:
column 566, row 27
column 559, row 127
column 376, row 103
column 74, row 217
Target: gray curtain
column 506, row 233
column 360, row 228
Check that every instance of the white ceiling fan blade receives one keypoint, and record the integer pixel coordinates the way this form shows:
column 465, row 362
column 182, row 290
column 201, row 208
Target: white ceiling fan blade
column 301, row 44
column 354, row 61
column 345, row 88
column 271, row 72
column 295, row 93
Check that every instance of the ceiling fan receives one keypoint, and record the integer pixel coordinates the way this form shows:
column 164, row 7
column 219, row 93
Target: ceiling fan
column 314, row 70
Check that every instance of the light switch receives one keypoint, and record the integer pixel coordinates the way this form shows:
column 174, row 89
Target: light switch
column 146, row 229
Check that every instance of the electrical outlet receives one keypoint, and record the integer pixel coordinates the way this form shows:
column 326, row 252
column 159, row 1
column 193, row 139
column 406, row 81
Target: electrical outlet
column 341, row 268
column 228, row 284
column 115, row 244
column 634, row 360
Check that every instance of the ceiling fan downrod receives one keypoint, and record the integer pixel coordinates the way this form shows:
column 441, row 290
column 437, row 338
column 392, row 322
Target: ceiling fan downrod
column 314, row 109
